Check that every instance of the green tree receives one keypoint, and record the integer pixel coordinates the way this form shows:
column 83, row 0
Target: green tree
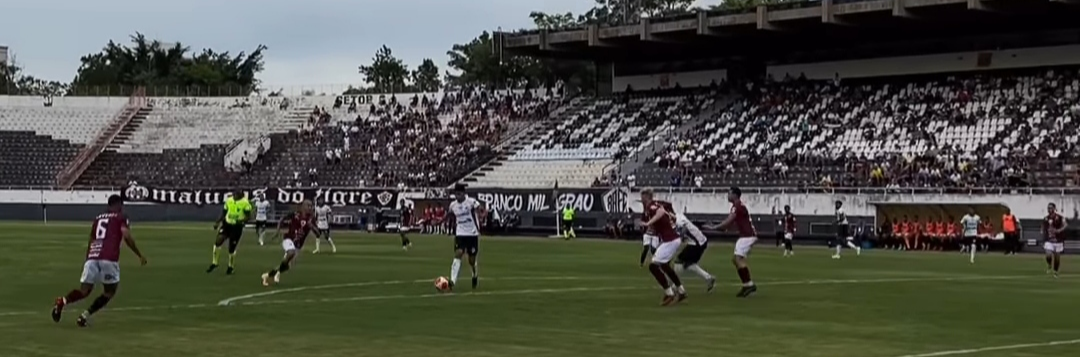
column 426, row 77
column 554, row 21
column 475, row 61
column 386, row 73
column 478, row 64
column 14, row 82
column 613, row 12
column 746, row 4
column 167, row 69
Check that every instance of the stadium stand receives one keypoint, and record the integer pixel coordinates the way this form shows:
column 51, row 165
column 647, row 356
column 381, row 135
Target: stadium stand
column 950, row 130
column 183, row 142
column 394, row 140
column 37, row 141
column 586, row 141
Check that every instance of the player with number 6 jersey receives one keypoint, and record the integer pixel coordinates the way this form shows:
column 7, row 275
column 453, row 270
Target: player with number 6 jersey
column 322, row 222
column 300, row 223
column 466, row 211
column 102, row 265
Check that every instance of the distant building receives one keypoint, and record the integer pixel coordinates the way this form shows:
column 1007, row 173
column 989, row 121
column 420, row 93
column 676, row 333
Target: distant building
column 3, row 54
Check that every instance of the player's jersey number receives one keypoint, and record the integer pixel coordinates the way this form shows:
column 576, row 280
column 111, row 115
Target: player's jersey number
column 102, row 229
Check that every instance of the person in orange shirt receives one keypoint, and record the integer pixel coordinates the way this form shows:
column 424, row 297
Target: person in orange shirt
column 896, row 239
column 917, row 232
column 985, row 232
column 952, row 232
column 942, row 233
column 905, row 233
column 931, row 234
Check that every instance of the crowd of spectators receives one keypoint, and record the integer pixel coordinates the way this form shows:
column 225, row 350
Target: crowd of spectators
column 993, row 129
column 418, row 143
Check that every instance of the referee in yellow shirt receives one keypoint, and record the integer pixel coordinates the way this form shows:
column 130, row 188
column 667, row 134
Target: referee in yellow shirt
column 230, row 226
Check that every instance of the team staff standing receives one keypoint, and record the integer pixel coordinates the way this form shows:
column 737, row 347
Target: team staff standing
column 1010, row 226
column 230, row 226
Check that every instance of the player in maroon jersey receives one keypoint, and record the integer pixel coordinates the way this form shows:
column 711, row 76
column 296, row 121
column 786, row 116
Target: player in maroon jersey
column 102, row 261
column 1054, row 228
column 649, row 239
column 740, row 218
column 789, row 231
column 300, row 223
column 661, row 221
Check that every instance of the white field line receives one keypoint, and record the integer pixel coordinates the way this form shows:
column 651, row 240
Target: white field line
column 995, row 348
column 233, row 300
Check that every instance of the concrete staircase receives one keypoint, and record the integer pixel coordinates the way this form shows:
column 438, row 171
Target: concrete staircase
column 523, row 138
column 125, row 134
column 634, row 162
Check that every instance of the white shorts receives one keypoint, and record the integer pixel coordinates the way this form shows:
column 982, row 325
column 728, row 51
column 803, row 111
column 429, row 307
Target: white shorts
column 100, row 271
column 1051, row 247
column 666, row 251
column 287, row 245
column 789, row 236
column 650, row 240
column 743, row 245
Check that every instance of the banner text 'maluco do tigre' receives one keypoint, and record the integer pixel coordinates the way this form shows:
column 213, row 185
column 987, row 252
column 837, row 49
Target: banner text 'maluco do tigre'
column 336, row 197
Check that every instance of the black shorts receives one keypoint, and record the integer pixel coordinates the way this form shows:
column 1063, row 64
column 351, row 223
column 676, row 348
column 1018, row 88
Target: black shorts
column 468, row 244
column 691, row 254
column 261, row 224
column 567, row 224
column 232, row 231
column 842, row 232
column 323, row 232
column 970, row 240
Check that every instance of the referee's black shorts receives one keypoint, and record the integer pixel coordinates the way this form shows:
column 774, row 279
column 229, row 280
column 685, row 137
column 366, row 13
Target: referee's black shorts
column 232, row 231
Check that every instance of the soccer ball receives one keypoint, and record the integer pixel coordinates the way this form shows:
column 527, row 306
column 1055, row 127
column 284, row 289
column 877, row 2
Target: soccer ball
column 442, row 284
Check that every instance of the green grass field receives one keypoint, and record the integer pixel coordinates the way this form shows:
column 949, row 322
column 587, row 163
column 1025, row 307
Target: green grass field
column 537, row 297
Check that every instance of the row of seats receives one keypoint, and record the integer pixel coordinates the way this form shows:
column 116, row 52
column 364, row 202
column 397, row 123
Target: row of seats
column 383, row 142
column 842, row 130
column 585, row 142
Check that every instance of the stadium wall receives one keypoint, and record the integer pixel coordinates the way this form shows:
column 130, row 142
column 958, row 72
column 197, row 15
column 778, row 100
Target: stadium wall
column 658, row 81
column 939, row 63
column 602, row 202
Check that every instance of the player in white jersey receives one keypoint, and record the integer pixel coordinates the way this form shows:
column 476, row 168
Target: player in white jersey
column 843, row 232
column 970, row 225
column 466, row 233
column 696, row 244
column 262, row 214
column 322, row 222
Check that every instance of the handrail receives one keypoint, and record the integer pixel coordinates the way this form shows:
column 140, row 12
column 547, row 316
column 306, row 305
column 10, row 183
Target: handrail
column 877, row 190
column 710, row 190
column 105, row 136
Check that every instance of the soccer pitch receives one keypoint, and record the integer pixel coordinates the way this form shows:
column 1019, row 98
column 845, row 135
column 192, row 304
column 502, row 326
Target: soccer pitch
column 537, row 297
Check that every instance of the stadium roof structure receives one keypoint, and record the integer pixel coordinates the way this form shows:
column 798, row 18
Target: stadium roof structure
column 815, row 27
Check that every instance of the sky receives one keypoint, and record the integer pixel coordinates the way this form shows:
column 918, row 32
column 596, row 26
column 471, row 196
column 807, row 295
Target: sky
column 313, row 43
